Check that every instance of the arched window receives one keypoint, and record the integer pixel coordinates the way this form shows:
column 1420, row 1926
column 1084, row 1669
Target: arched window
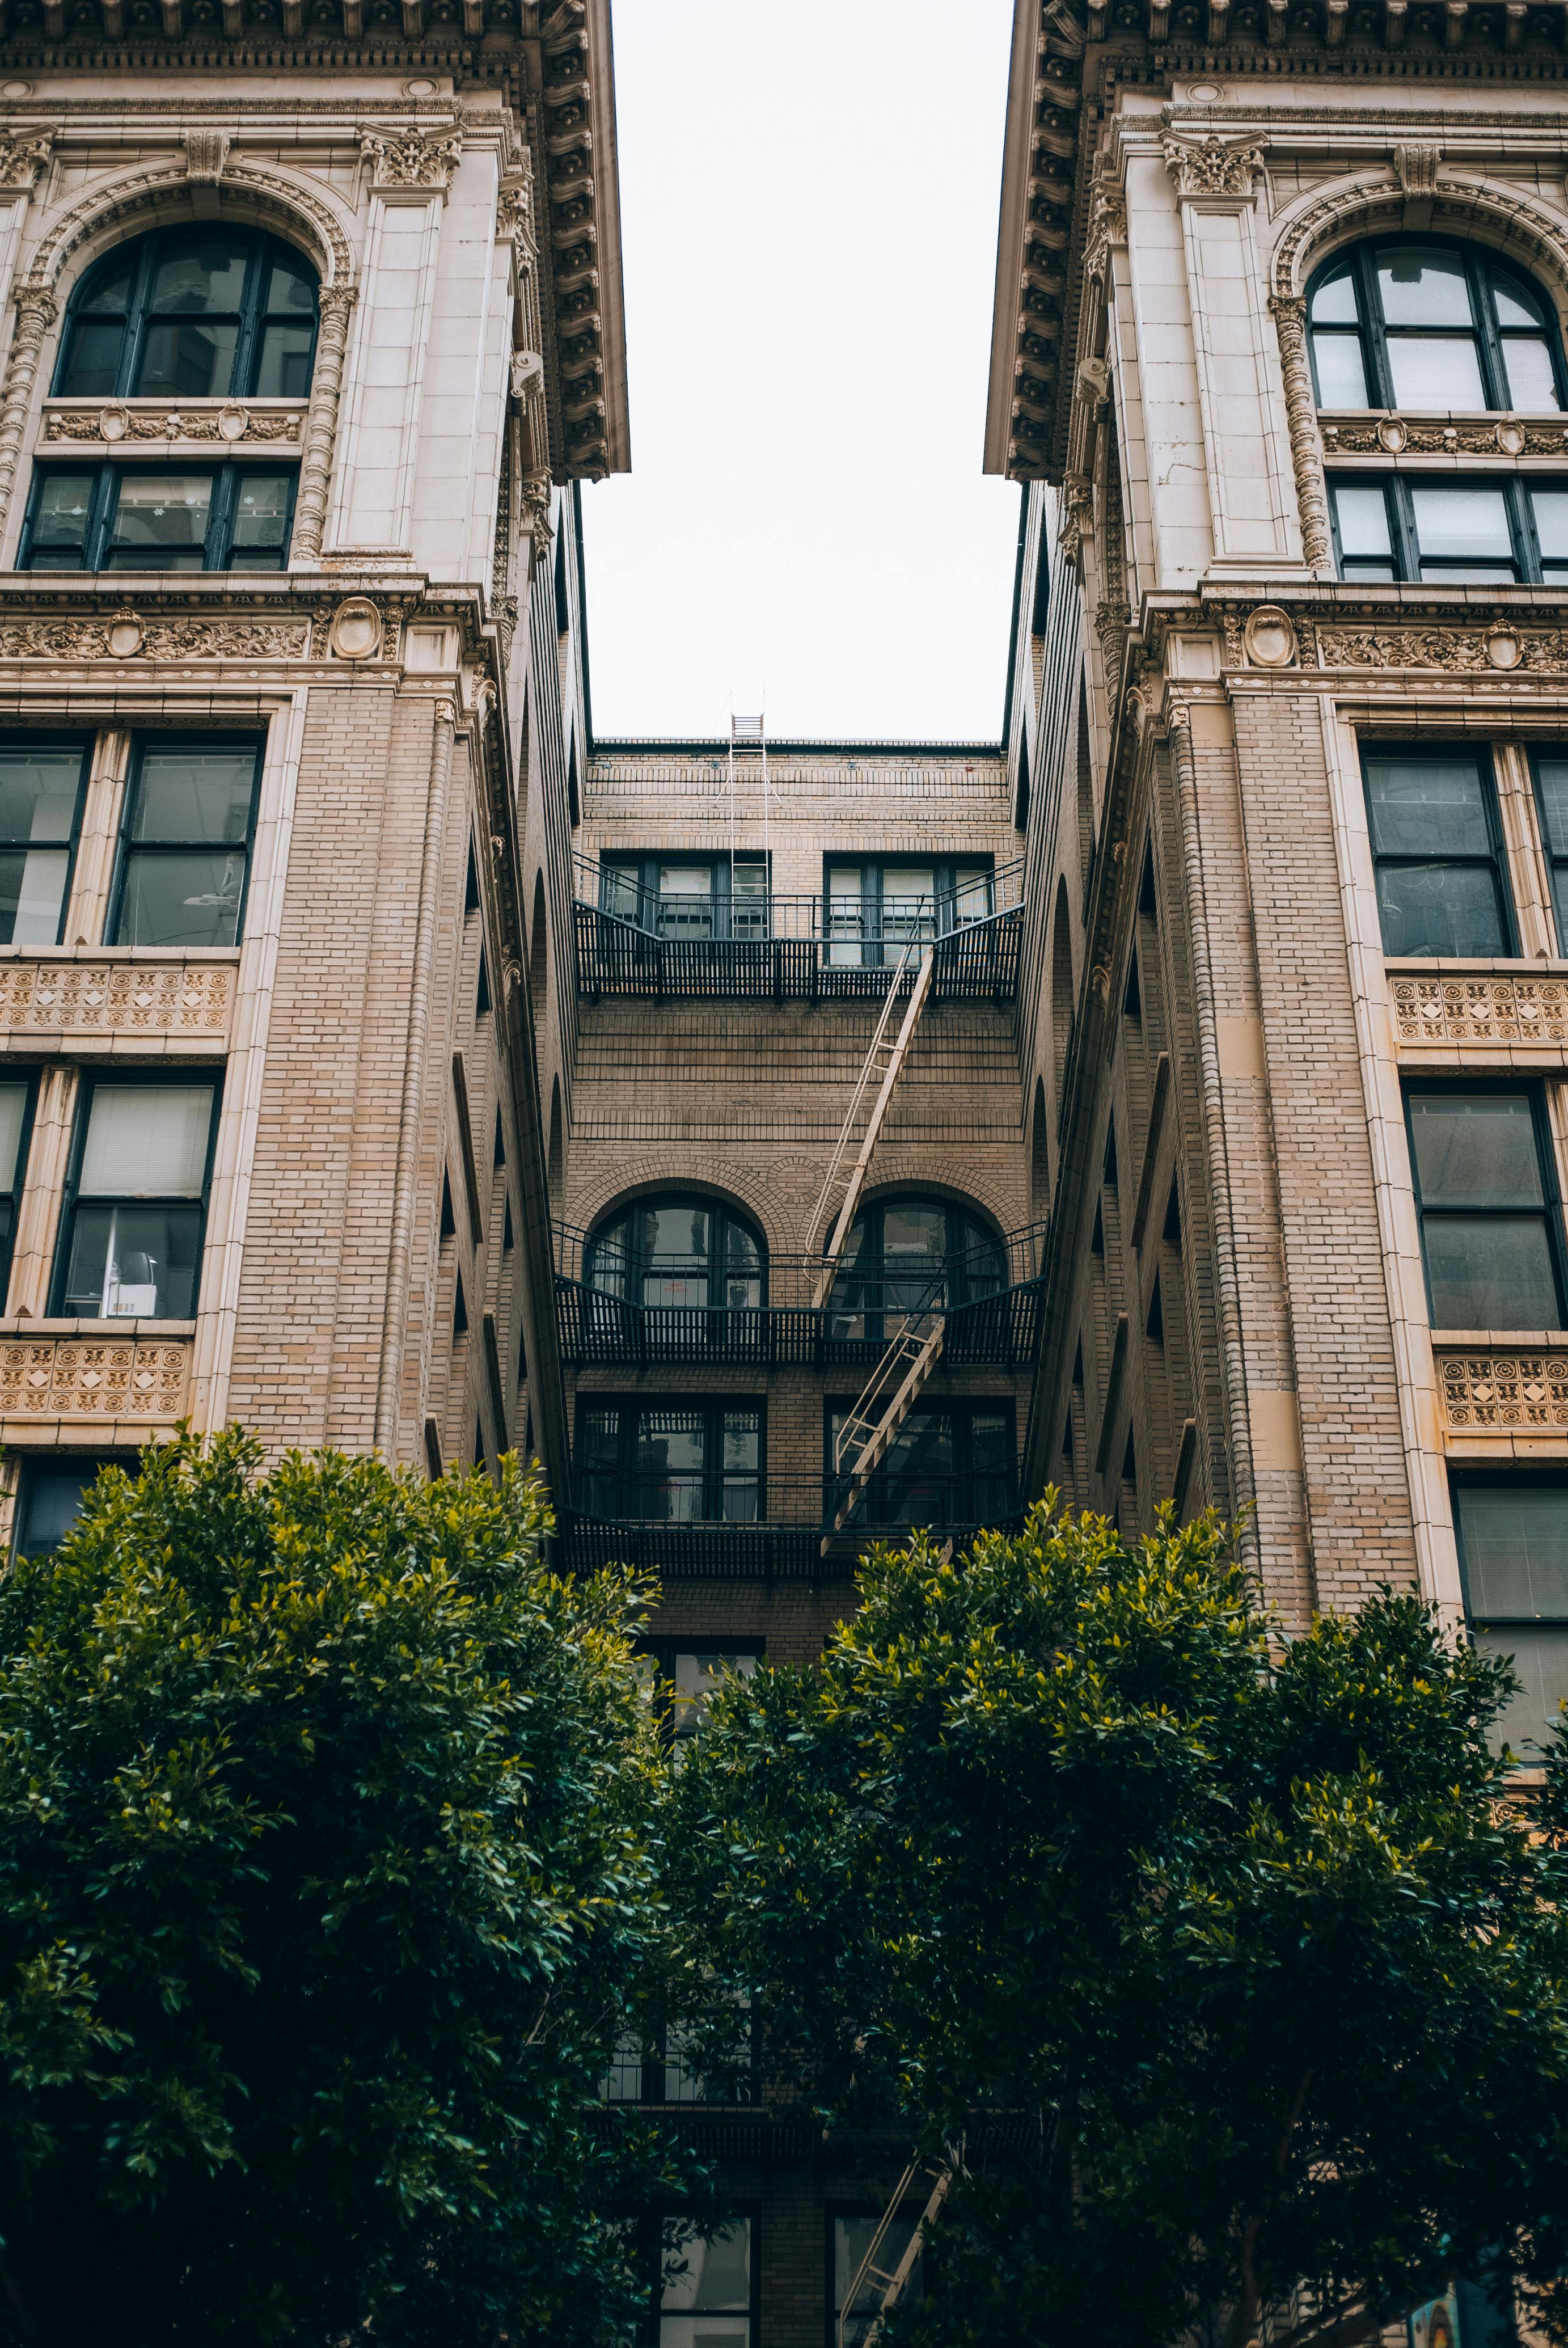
column 679, row 1252
column 213, row 312
column 905, row 1256
column 1425, row 323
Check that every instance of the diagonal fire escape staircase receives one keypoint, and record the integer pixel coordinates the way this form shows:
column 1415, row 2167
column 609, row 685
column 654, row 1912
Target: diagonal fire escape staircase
column 940, row 2174
column 889, row 1395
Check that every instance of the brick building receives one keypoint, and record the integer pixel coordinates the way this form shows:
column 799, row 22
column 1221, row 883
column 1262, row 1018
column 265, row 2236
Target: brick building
column 789, row 1140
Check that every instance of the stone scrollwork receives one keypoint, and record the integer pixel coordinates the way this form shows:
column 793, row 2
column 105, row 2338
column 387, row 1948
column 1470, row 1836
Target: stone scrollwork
column 112, row 639
column 1393, row 435
column 411, row 159
column 1493, row 1393
column 1213, row 166
column 534, row 488
column 118, row 422
column 1482, row 1007
column 1289, row 311
column 103, row 1378
column 206, row 152
column 1500, row 647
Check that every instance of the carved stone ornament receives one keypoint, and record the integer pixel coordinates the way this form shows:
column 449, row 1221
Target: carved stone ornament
column 229, row 421
column 1269, row 637
column 526, row 371
column 1093, row 382
column 1077, row 522
column 1289, row 314
column 514, row 214
column 1416, row 168
column 1471, row 651
column 1393, row 435
column 89, row 639
column 75, row 1377
column 1496, row 1392
column 534, row 488
column 22, row 154
column 1214, row 166
column 132, row 998
column 356, row 630
column 206, row 152
column 411, row 159
column 1482, row 1008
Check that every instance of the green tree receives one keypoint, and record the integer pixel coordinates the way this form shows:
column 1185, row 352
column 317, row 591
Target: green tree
column 1226, row 1959
column 324, row 1884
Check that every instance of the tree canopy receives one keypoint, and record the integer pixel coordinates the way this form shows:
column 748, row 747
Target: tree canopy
column 324, row 1880
column 1232, row 1963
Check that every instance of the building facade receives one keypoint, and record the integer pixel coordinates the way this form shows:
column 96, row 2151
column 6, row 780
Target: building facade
column 796, row 1142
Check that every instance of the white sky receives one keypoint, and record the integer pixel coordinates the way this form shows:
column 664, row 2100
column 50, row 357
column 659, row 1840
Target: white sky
column 808, row 198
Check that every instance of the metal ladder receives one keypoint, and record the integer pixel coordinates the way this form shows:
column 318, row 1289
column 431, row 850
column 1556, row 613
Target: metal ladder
column 880, row 1070
column 886, row 1400
column 941, row 2174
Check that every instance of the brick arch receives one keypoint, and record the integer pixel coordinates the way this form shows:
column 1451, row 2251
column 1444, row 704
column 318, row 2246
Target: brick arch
column 720, row 1194
column 933, row 1171
column 690, row 1166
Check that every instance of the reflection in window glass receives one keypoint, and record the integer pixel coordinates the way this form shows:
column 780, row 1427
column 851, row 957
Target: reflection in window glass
column 51, row 1496
column 192, row 314
column 1436, row 850
column 1462, row 533
column 693, row 1463
column 678, row 1253
column 704, row 2293
column 1431, row 326
column 187, row 830
column 160, row 522
column 41, row 787
column 1365, row 548
column 1514, row 1548
column 14, row 1104
column 132, row 1239
column 852, row 2237
column 1486, row 1221
column 1551, row 798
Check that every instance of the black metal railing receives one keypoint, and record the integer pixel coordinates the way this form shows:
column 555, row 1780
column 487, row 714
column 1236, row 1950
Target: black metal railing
column 783, row 1541
column 790, row 948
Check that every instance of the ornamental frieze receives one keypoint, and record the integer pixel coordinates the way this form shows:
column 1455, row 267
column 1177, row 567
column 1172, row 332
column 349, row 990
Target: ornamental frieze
column 1391, row 435
column 1267, row 637
column 1493, row 1393
column 75, row 1377
column 125, row 636
column 228, row 424
column 1479, row 1008
column 126, row 998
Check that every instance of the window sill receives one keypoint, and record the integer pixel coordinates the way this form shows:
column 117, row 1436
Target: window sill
column 159, row 1333
column 1499, row 1340
column 1478, row 966
column 155, row 955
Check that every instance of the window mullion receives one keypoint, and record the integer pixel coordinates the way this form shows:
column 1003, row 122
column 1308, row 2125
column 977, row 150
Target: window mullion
column 137, row 299
column 1374, row 334
column 100, row 515
column 1401, row 514
column 247, row 340
column 1522, row 526
column 1483, row 309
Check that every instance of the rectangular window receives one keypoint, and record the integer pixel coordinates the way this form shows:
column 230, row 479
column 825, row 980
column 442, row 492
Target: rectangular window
column 1436, row 845
column 687, row 897
column 135, row 1203
column 702, row 2288
column 1449, row 533
column 15, row 1121
column 1513, row 1557
column 873, row 908
column 1487, row 1198
column 42, row 786
column 956, row 1465
column 1551, row 771
column 185, row 841
column 851, row 2233
column 682, row 1677
column 123, row 518
column 50, row 1500
column 671, row 1463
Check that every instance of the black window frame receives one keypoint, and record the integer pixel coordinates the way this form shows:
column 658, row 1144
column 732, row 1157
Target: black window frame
column 267, row 248
column 877, row 951
column 662, row 1654
column 722, row 1214
column 127, row 850
column 832, row 2212
column 218, row 548
column 1486, row 332
column 36, row 1464
column 1476, row 754
column 648, row 2235
column 628, row 1478
column 645, row 864
column 962, row 1410
column 1533, row 1090
column 1499, row 1479
column 869, row 1265
column 41, row 737
column 29, row 1080
column 1556, row 858
column 1406, row 560
column 210, row 1077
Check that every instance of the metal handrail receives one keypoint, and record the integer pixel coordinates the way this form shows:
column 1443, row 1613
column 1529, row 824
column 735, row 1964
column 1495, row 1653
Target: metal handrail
column 809, row 1502
column 788, row 1279
column 769, row 915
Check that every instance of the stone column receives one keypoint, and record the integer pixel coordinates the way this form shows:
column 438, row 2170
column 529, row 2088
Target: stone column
column 1301, row 415
column 321, row 427
column 36, row 311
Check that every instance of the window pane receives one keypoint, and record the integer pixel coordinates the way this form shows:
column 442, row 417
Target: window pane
column 620, row 890
column 1435, row 371
column 1333, row 303
column 1439, row 909
column 1539, row 1658
column 1550, row 510
column 282, row 371
column 1530, row 381
column 710, row 2273
column 1363, row 517
column 845, row 922
column 261, row 522
column 111, row 289
column 686, row 901
column 161, row 524
column 200, row 274
column 1476, row 1150
column 92, row 366
column 1491, row 1271
column 290, row 288
column 13, row 1112
column 194, row 361
column 1516, row 305
column 133, row 1263
column 1552, row 774
column 181, row 900
column 1422, row 286
column 851, row 2242
column 695, row 1676
column 147, row 1141
column 194, row 795
column 1427, row 806
column 670, row 1457
column 1468, row 523
column 1515, row 1549
column 598, row 1449
column 51, row 1503
column 60, row 522
column 39, row 791
column 742, row 1439
column 1341, row 372
column 32, row 893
